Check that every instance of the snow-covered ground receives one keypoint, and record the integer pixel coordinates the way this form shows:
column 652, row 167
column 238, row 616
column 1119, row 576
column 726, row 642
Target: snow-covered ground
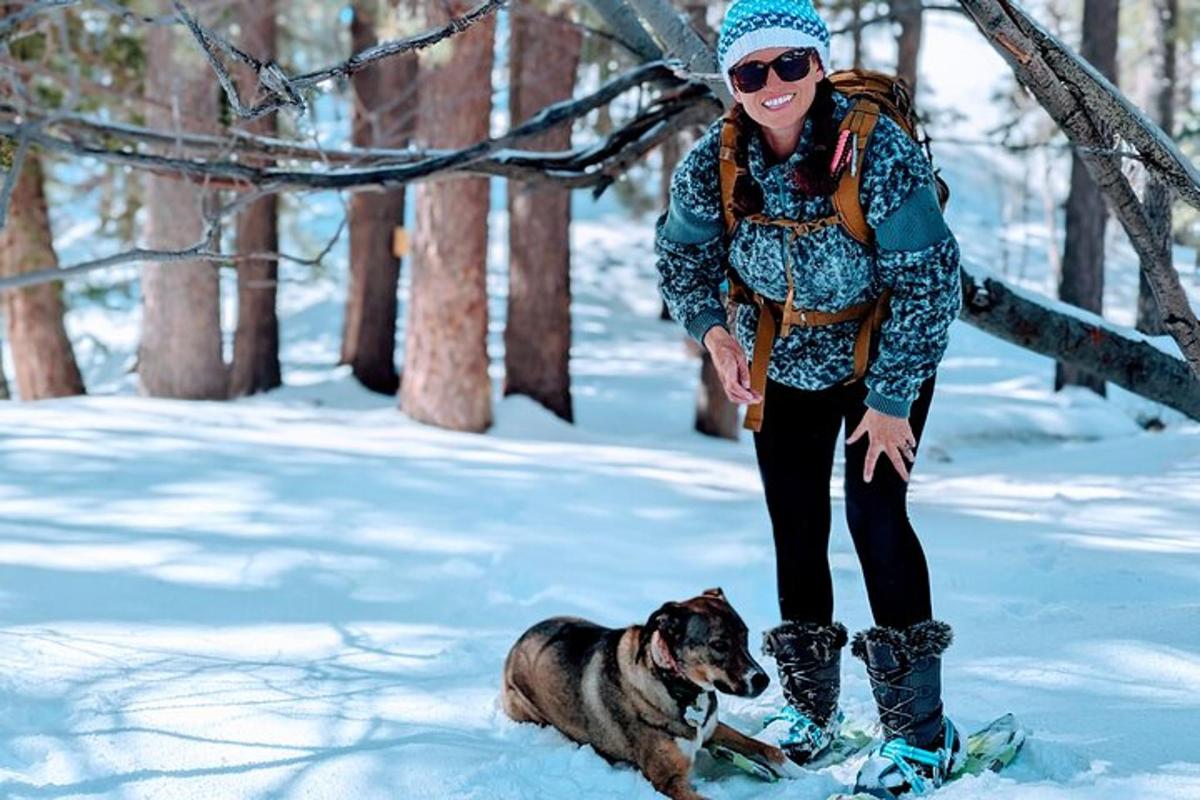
column 308, row 595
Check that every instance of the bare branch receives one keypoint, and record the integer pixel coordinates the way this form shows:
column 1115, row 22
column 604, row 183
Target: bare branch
column 283, row 91
column 582, row 166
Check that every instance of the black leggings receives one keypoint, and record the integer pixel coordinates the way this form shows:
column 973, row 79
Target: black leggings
column 795, row 458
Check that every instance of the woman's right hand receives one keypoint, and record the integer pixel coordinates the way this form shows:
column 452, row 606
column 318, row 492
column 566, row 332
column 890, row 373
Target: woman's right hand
column 730, row 362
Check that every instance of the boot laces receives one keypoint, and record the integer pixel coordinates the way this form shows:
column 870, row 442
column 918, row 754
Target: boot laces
column 896, row 717
column 802, row 689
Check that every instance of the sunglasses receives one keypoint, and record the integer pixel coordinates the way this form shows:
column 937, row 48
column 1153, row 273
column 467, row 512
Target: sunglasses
column 792, row 65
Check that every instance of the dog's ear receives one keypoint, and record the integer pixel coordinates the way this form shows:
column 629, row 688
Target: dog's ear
column 717, row 593
column 668, row 620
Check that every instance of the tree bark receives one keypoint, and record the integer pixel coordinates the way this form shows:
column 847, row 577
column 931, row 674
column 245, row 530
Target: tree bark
column 385, row 110
column 181, row 353
column 43, row 361
column 445, row 360
column 909, row 14
column 1082, row 280
column 1163, row 18
column 544, row 54
column 256, row 339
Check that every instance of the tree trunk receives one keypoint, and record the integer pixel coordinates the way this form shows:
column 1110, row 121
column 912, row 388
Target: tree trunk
column 445, row 356
column 1082, row 279
column 43, row 361
column 856, row 7
column 544, row 55
column 180, row 354
column 1163, row 18
column 256, row 340
column 908, row 14
column 385, row 109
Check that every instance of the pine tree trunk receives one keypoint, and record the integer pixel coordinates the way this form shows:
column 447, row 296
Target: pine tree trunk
column 1082, row 279
column 256, row 340
column 445, row 355
column 908, row 14
column 180, row 354
column 544, row 54
column 1163, row 18
column 43, row 361
column 385, row 108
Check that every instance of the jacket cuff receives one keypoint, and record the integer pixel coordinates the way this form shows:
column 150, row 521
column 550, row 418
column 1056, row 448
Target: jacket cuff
column 703, row 322
column 888, row 405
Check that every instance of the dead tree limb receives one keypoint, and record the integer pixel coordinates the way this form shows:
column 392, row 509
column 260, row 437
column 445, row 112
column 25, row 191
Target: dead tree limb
column 1068, row 334
column 681, row 41
column 1073, row 101
column 623, row 22
column 280, row 89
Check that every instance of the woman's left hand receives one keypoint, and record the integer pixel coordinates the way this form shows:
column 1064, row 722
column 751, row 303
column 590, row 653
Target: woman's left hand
column 889, row 435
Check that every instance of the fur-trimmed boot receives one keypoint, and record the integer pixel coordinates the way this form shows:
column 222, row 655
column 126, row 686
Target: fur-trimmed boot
column 921, row 747
column 809, row 658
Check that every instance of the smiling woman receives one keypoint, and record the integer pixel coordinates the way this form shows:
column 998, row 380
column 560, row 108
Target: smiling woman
column 797, row 141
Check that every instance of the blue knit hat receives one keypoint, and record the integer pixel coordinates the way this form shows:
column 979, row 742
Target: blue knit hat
column 751, row 25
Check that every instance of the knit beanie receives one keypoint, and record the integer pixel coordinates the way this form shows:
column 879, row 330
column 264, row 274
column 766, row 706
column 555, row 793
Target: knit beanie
column 751, row 25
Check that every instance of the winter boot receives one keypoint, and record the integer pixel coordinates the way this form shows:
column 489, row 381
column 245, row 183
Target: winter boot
column 921, row 747
column 809, row 658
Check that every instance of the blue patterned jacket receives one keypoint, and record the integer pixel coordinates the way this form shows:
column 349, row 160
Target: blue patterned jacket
column 915, row 254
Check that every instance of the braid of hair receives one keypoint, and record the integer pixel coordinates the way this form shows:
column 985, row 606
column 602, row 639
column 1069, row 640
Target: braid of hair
column 812, row 176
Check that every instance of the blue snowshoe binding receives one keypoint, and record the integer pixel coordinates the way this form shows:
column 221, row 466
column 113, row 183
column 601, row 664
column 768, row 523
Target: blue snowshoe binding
column 809, row 659
column 921, row 747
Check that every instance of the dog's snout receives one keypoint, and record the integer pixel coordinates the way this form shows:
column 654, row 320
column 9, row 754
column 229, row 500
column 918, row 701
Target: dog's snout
column 758, row 683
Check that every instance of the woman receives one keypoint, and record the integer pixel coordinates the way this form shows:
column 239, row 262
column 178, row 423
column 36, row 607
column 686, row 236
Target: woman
column 774, row 55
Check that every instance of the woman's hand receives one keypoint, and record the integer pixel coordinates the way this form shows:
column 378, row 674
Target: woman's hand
column 730, row 362
column 889, row 435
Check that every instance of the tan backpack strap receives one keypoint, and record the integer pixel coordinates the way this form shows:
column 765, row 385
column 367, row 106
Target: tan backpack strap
column 764, row 342
column 730, row 133
column 868, row 329
column 860, row 121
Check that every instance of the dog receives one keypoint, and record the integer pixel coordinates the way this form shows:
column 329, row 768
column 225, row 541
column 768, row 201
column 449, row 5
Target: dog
column 645, row 694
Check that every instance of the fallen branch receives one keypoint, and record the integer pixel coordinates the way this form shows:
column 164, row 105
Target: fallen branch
column 1082, row 339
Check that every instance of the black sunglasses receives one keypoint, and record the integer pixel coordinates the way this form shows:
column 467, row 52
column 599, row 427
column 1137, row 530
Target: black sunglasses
column 792, row 65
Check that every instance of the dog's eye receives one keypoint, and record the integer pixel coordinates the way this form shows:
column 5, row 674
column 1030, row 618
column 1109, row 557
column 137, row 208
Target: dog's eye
column 719, row 646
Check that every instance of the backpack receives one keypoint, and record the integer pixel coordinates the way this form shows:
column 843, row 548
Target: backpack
column 873, row 93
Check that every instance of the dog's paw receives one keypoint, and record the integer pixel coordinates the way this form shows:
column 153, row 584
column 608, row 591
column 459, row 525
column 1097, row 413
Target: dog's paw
column 776, row 756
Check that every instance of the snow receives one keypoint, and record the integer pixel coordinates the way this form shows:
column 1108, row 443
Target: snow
column 306, row 594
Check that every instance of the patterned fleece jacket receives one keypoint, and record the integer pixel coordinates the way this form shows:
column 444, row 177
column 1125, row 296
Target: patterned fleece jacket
column 914, row 254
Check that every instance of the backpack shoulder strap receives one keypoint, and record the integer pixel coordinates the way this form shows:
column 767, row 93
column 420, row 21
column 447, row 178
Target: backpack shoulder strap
column 860, row 122
column 729, row 168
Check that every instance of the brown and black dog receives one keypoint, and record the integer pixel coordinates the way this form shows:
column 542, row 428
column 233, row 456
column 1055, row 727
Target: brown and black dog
column 642, row 694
